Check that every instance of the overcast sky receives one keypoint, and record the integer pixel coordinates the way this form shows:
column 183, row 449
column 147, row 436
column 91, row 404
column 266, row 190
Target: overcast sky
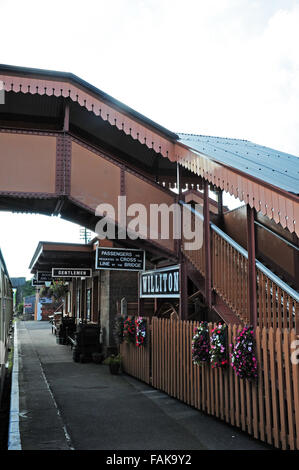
column 219, row 67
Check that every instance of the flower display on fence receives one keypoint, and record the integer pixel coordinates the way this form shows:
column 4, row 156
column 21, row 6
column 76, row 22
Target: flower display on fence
column 218, row 349
column 130, row 330
column 118, row 329
column 243, row 360
column 140, row 324
column 201, row 344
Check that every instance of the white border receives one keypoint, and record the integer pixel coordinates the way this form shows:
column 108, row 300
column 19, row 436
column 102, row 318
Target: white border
column 118, row 269
column 73, row 269
column 159, row 296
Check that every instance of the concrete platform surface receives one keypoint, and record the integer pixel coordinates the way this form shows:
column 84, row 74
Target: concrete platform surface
column 65, row 405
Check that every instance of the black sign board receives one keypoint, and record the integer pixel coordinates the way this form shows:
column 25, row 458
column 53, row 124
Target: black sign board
column 35, row 283
column 120, row 259
column 43, row 276
column 160, row 283
column 71, row 272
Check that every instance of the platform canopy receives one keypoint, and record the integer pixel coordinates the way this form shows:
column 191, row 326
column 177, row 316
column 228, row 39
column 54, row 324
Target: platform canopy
column 50, row 255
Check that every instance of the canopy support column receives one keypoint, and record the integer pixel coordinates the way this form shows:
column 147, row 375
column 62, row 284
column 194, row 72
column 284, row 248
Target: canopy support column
column 207, row 245
column 219, row 193
column 140, row 301
column 252, row 281
column 183, row 307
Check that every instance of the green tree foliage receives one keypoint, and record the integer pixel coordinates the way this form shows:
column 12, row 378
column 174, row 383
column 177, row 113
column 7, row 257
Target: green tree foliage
column 20, row 308
column 28, row 289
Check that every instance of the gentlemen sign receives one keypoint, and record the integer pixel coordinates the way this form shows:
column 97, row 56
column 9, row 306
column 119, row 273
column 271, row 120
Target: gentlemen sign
column 71, row 272
column 160, row 283
column 120, row 259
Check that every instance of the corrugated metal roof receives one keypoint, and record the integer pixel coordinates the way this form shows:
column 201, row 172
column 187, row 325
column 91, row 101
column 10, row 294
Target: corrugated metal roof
column 277, row 168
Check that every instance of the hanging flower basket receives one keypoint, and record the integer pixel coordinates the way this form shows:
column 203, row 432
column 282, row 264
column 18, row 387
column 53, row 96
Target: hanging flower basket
column 140, row 324
column 243, row 359
column 46, row 292
column 59, row 289
column 129, row 330
column 201, row 344
column 218, row 346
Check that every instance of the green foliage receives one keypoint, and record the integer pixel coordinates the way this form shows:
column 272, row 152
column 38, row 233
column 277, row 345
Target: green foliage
column 218, row 346
column 57, row 290
column 20, row 307
column 28, row 289
column 113, row 359
column 118, row 329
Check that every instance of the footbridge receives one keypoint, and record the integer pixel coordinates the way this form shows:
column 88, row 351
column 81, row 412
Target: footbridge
column 66, row 147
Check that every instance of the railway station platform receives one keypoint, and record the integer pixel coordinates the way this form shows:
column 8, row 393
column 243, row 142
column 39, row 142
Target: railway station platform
column 65, row 405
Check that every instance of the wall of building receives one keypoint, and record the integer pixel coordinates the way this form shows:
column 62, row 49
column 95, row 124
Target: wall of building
column 105, row 306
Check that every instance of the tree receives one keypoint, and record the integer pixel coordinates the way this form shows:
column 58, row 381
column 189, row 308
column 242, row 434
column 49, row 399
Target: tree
column 27, row 289
column 20, row 307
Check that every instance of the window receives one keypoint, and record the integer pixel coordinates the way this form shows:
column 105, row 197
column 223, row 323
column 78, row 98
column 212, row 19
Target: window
column 88, row 304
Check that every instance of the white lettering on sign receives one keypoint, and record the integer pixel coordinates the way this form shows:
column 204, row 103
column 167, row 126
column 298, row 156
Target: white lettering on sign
column 163, row 283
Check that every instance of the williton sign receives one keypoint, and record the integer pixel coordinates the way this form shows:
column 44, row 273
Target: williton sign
column 160, row 283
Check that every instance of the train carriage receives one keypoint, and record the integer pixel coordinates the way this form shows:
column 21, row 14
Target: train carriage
column 6, row 315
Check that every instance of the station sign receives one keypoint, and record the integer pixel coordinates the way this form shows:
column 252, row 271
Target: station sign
column 43, row 276
column 120, row 259
column 45, row 300
column 160, row 283
column 71, row 272
column 27, row 305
